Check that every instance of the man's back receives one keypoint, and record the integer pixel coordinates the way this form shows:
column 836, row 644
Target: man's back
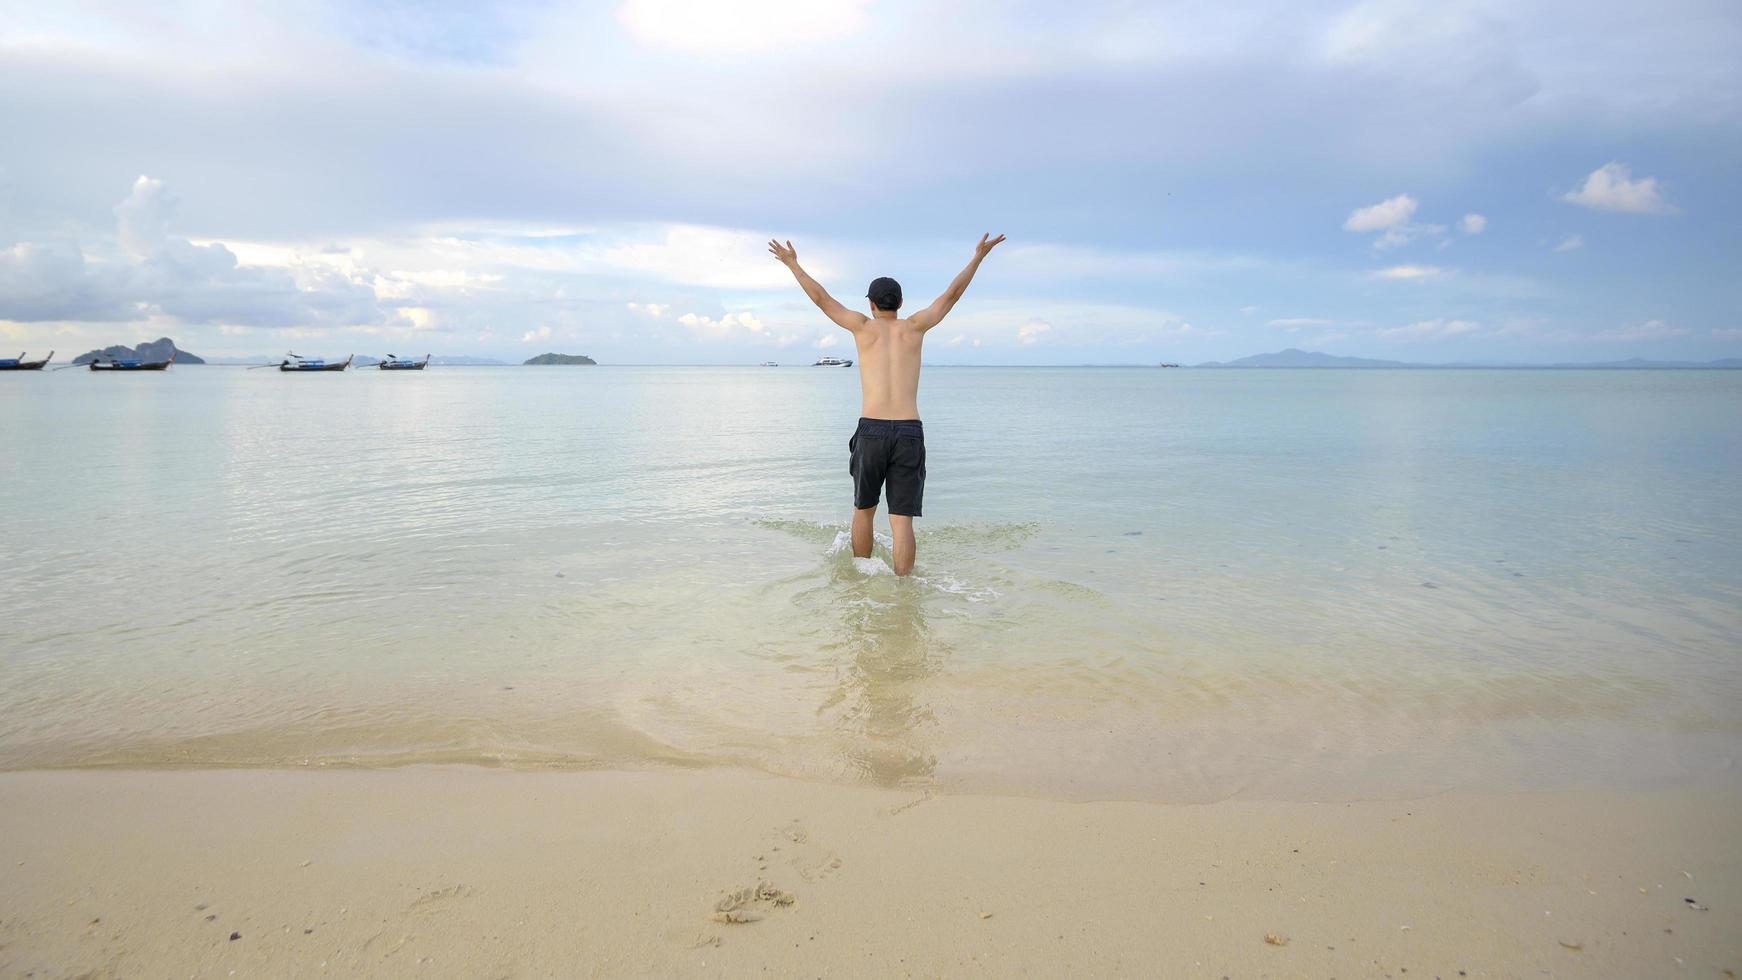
column 888, row 448
column 889, row 354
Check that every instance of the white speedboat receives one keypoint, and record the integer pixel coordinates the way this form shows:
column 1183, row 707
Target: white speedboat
column 832, row 362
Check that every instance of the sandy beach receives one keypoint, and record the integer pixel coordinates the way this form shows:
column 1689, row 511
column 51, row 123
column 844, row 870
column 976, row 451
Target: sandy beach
column 486, row 873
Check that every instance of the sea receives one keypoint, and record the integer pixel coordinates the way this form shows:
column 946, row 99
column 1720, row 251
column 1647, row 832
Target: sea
column 1132, row 583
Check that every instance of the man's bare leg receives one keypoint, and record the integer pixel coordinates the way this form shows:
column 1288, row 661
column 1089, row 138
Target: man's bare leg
column 901, row 529
column 862, row 531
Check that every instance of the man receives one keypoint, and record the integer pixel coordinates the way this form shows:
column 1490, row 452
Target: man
column 889, row 447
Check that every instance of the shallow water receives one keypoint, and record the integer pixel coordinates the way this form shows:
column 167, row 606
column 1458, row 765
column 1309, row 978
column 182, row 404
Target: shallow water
column 1178, row 585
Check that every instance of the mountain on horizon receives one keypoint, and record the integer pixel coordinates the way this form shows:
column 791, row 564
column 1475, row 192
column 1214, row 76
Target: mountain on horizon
column 1294, row 357
column 152, row 350
column 1640, row 362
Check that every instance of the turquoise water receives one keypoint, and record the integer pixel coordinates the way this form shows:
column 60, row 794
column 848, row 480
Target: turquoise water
column 1136, row 583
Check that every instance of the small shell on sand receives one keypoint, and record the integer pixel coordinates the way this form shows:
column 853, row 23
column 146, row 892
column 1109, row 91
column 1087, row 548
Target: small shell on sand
column 1275, row 940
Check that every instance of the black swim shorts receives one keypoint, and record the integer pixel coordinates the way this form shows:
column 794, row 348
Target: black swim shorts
column 888, row 451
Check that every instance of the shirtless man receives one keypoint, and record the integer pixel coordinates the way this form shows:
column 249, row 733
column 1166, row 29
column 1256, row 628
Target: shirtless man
column 889, row 446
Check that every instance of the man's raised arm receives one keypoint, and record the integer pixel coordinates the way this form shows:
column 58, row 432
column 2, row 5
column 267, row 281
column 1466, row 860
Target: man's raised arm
column 830, row 306
column 930, row 316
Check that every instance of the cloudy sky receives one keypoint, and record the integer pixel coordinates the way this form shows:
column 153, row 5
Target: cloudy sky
column 1179, row 181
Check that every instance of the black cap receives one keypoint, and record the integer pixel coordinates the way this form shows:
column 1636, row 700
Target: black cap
column 885, row 293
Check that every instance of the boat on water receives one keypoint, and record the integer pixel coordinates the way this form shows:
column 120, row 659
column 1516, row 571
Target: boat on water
column 295, row 362
column 132, row 364
column 832, row 362
column 396, row 363
column 770, row 364
column 20, row 364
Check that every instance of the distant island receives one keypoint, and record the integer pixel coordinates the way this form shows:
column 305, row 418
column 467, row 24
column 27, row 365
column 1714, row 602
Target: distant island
column 1294, row 357
column 150, row 351
column 560, row 359
column 1297, row 358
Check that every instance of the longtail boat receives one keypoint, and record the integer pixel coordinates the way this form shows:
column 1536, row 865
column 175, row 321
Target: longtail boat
column 20, row 364
column 295, row 363
column 395, row 363
column 130, row 364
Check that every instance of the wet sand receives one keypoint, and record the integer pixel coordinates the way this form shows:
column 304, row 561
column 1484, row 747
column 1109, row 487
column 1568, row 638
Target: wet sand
column 482, row 873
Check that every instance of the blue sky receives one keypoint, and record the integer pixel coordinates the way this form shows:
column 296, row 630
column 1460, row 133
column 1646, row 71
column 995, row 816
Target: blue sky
column 1180, row 182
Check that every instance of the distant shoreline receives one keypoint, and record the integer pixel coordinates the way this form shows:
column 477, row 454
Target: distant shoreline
column 1152, row 367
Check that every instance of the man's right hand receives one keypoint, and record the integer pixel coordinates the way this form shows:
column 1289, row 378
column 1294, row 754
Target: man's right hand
column 785, row 253
column 986, row 244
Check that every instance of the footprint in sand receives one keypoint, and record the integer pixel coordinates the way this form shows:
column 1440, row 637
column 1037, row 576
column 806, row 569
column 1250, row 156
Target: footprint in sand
column 750, row 904
column 435, row 901
column 819, row 868
column 810, row 859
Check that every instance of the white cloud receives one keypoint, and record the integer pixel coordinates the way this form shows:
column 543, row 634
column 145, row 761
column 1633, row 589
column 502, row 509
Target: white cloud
column 1472, row 224
column 742, row 319
column 698, row 255
column 142, row 220
column 1390, row 213
column 708, row 27
column 1249, row 309
column 1431, row 330
column 1031, row 332
column 725, row 326
column 957, row 340
column 1297, row 322
column 827, row 340
column 1611, row 187
column 654, row 310
column 1631, row 333
column 1570, row 243
column 397, row 284
column 148, row 274
column 1391, row 217
column 1411, row 272
column 1727, row 333
column 542, row 333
